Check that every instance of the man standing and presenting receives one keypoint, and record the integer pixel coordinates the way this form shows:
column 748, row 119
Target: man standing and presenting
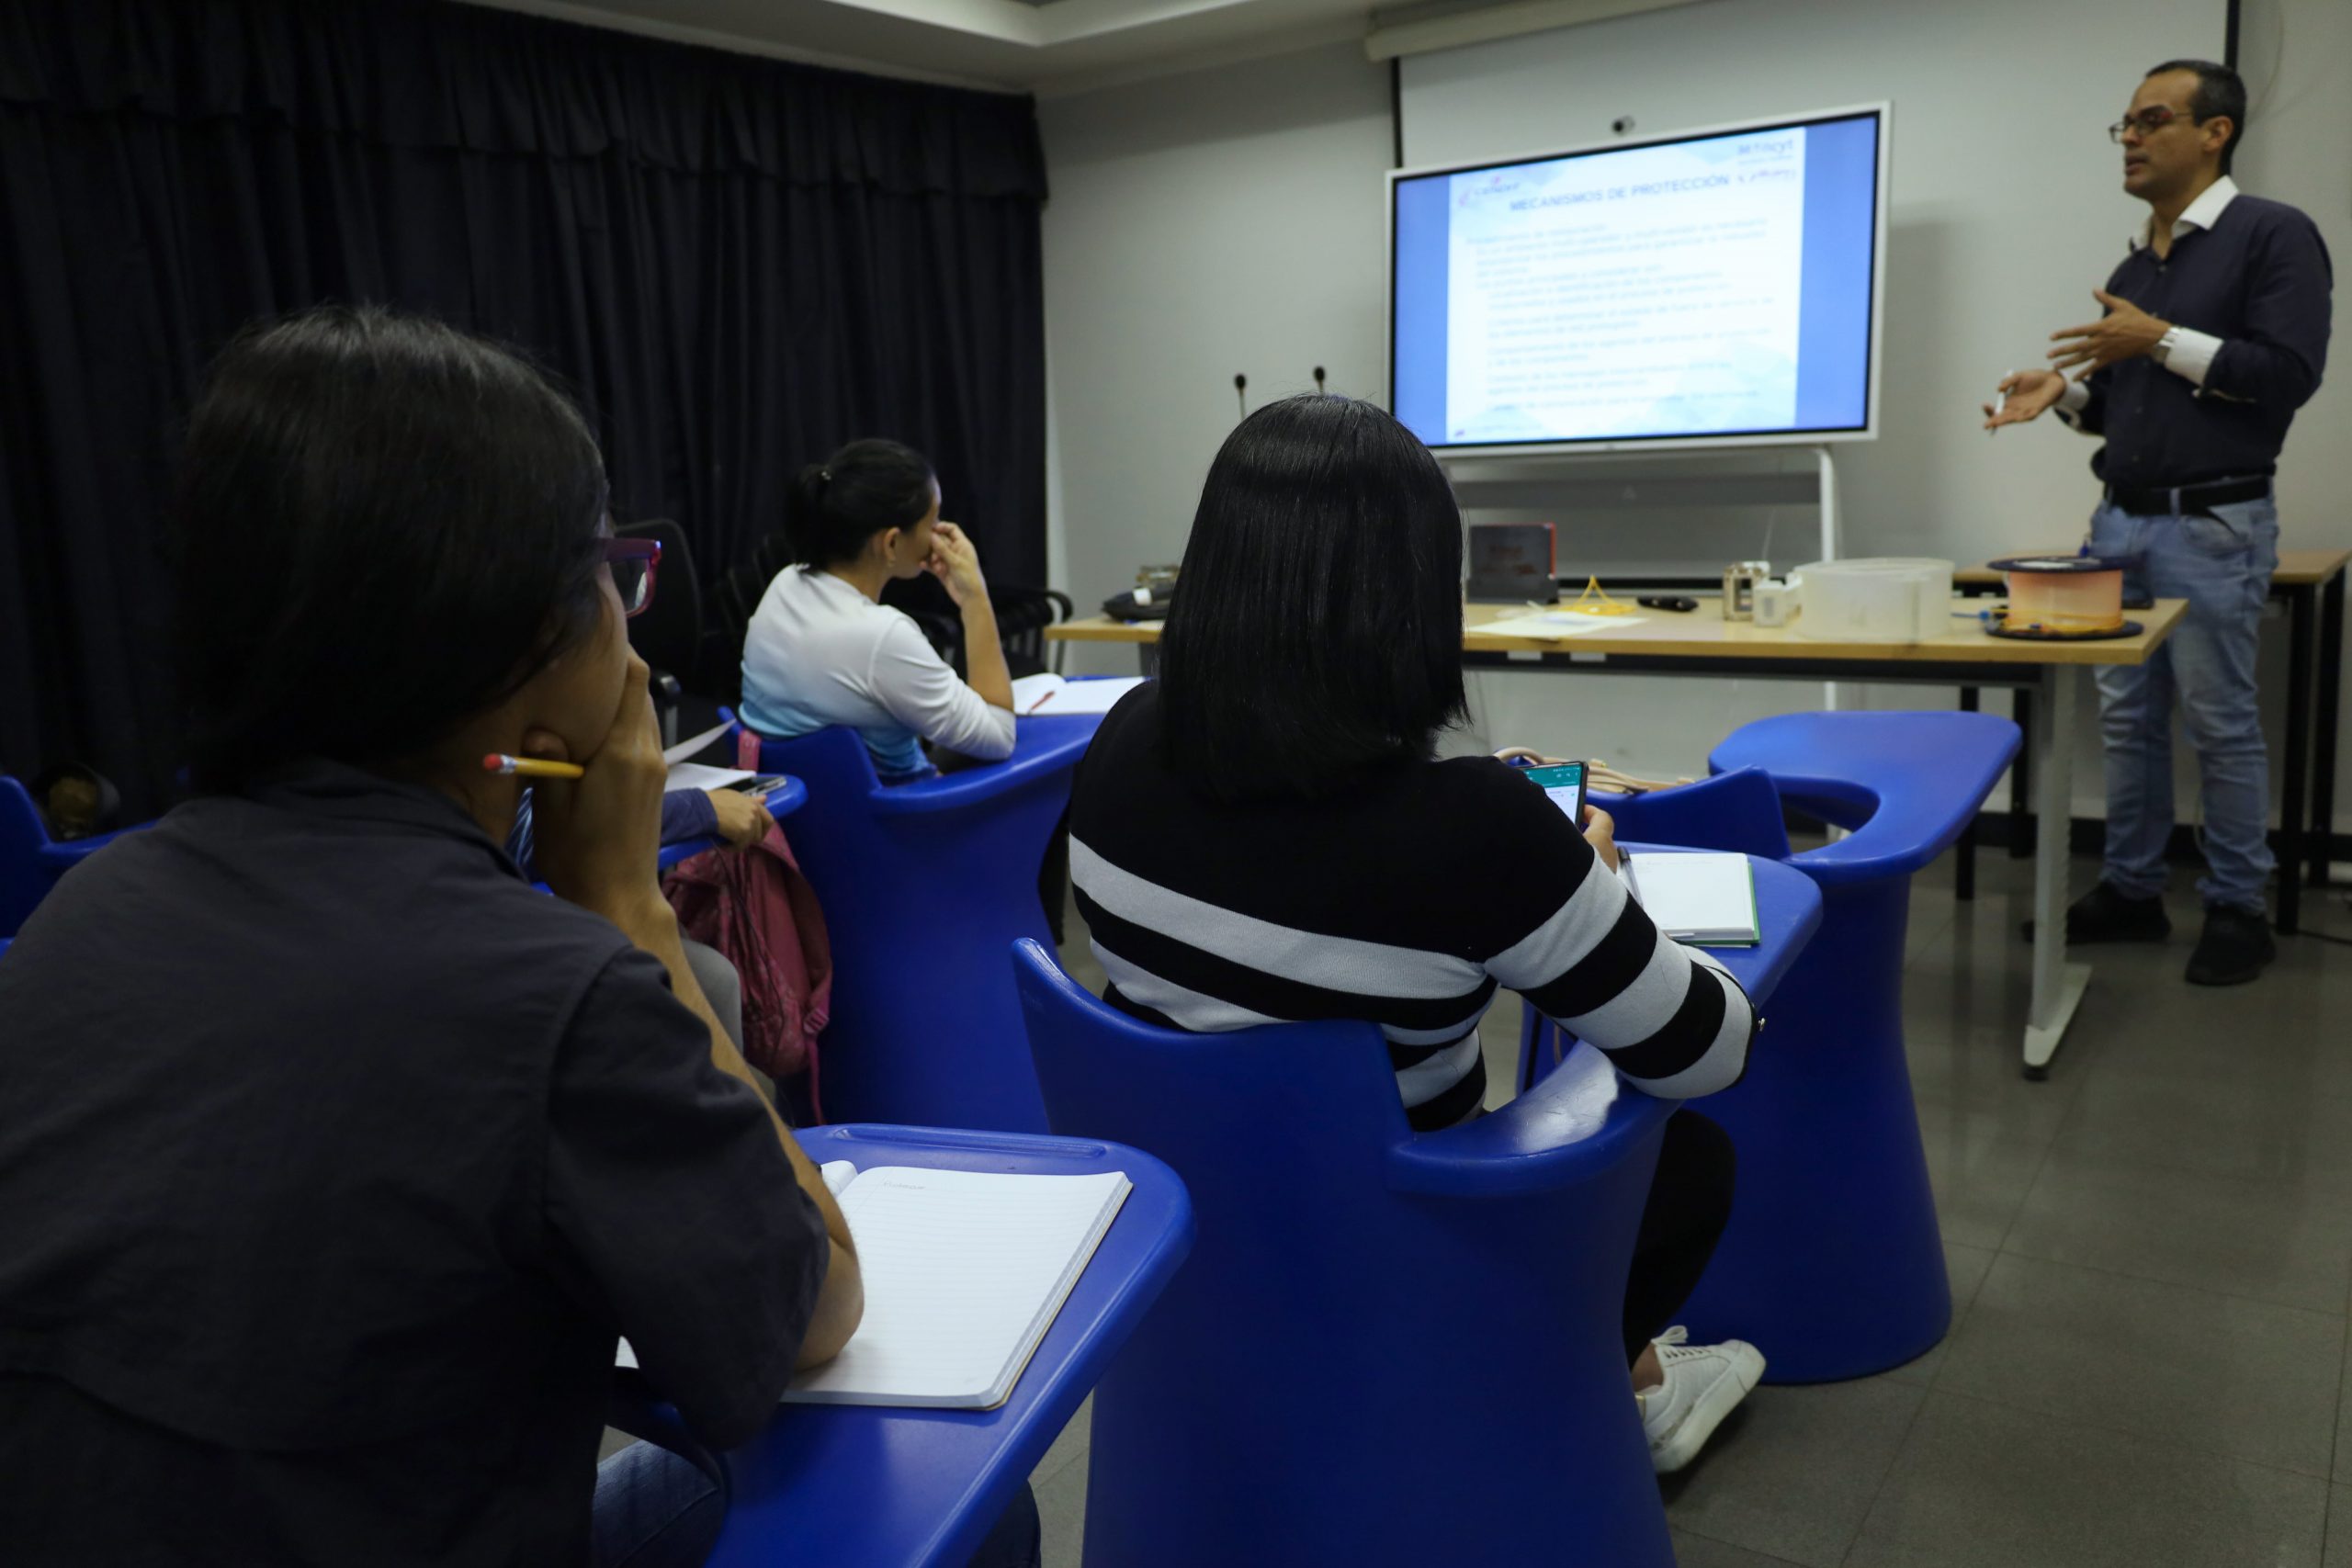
column 2215, row 332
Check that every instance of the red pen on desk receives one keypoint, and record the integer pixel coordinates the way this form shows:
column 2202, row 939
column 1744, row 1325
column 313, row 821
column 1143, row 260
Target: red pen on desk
column 1041, row 702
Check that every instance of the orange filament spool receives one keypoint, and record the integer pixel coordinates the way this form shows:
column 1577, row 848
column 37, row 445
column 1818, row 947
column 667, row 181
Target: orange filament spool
column 2064, row 595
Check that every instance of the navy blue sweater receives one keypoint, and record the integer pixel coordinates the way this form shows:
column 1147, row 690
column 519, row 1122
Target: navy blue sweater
column 2259, row 280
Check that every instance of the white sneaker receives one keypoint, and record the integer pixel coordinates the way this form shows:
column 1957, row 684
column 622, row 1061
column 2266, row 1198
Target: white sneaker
column 1702, row 1384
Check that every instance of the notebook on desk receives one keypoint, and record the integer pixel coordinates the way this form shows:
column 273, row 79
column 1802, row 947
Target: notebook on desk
column 1049, row 693
column 697, row 775
column 1707, row 900
column 965, row 1271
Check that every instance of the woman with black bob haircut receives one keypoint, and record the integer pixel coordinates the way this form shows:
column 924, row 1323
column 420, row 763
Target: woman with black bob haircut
column 823, row 650
column 339, row 1156
column 1267, row 832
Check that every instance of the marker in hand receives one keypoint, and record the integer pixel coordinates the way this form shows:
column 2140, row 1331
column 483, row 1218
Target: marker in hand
column 531, row 767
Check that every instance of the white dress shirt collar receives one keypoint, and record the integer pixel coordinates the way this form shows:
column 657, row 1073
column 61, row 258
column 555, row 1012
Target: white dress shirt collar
column 2199, row 214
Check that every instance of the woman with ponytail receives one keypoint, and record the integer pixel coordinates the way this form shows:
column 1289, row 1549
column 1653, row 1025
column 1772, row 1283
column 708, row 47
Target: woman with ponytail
column 823, row 650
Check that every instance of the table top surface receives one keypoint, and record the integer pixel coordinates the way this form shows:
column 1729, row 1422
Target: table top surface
column 871, row 1483
column 2297, row 569
column 1702, row 633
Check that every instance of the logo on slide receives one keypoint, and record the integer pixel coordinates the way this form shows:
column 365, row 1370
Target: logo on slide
column 1493, row 185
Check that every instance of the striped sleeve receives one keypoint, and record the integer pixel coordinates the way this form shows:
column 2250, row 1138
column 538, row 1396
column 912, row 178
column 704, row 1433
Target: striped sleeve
column 1668, row 1016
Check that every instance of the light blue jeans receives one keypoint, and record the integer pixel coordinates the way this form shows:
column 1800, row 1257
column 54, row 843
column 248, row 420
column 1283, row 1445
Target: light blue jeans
column 2221, row 564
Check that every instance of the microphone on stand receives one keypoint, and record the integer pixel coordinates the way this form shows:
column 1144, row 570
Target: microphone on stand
column 1240, row 386
column 1318, row 380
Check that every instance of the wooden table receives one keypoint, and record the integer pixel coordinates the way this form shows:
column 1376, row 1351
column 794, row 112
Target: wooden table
column 1703, row 643
column 2311, row 584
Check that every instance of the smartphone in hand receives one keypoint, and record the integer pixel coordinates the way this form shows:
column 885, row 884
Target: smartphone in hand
column 1563, row 782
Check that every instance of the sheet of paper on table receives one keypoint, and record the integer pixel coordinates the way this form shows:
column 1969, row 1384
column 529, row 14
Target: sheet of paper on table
column 1049, row 693
column 696, row 775
column 1556, row 623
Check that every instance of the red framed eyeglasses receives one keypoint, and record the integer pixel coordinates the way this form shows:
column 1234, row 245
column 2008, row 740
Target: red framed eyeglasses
column 633, row 563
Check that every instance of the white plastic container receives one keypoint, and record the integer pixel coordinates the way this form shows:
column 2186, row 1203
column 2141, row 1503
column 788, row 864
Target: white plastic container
column 1876, row 598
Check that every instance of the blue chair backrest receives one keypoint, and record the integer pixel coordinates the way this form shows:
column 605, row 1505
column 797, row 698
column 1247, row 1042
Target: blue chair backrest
column 1906, row 783
column 1375, row 1327
column 924, row 885
column 1738, row 812
column 23, row 836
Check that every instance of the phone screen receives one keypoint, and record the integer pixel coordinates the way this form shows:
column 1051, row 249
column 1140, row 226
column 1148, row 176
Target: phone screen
column 1563, row 782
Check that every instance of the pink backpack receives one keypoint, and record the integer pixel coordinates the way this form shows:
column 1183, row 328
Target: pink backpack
column 755, row 907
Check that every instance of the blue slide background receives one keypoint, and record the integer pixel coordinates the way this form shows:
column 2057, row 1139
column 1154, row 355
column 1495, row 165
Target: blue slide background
column 1834, row 285
column 1419, row 249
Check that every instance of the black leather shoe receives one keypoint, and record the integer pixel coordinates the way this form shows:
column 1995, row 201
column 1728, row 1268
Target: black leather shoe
column 2104, row 915
column 2235, row 946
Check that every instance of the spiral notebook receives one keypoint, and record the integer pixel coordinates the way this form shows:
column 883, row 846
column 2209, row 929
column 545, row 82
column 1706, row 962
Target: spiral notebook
column 965, row 1271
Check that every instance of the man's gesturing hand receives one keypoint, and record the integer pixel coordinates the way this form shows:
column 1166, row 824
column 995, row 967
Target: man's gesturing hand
column 2025, row 394
column 2126, row 331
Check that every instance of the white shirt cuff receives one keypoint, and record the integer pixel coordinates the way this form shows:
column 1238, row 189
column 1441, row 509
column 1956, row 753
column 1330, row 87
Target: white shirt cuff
column 2192, row 354
column 2073, row 400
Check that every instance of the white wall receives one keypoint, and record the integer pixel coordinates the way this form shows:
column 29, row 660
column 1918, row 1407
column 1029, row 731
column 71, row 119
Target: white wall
column 1201, row 225
column 1230, row 220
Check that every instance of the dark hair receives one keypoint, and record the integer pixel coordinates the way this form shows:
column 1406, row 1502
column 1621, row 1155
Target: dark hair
column 383, row 525
column 2219, row 91
column 867, row 486
column 1316, row 628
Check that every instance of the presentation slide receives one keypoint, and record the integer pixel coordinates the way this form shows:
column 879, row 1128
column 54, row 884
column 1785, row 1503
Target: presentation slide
column 1711, row 287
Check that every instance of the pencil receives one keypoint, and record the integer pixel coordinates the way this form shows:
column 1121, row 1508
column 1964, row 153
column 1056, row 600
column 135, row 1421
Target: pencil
column 531, row 767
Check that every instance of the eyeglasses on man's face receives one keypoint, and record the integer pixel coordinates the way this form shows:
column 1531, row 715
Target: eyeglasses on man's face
column 632, row 563
column 2149, row 120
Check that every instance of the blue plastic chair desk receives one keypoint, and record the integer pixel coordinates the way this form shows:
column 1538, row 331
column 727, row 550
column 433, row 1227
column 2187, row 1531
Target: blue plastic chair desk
column 1833, row 1264
column 1388, row 1350
column 868, row 1487
column 782, row 802
column 1788, row 913
column 31, row 862
column 924, row 886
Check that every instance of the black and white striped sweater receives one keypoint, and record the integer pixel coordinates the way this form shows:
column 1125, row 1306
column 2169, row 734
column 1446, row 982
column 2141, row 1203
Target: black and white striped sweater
column 1406, row 901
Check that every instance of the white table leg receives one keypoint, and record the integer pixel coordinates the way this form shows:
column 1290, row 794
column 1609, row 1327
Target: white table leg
column 2057, row 985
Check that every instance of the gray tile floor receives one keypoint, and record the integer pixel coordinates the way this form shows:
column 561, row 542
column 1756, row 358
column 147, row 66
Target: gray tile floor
column 2150, row 1258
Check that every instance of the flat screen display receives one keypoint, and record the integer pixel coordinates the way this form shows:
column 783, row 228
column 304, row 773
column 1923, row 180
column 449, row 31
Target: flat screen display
column 1721, row 286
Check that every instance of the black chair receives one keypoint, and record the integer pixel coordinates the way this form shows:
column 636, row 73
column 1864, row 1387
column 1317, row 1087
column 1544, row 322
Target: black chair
column 1022, row 616
column 668, row 635
column 772, row 555
column 734, row 604
column 944, row 632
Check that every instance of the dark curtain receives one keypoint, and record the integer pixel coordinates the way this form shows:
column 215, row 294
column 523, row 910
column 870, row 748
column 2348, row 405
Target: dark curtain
column 735, row 264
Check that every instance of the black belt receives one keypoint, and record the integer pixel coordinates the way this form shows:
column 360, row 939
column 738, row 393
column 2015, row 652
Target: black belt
column 2146, row 500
